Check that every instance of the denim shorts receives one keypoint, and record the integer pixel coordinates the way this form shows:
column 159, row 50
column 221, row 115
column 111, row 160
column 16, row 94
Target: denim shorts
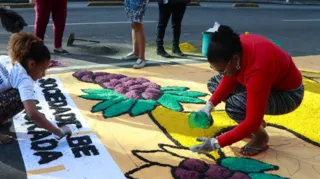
column 135, row 9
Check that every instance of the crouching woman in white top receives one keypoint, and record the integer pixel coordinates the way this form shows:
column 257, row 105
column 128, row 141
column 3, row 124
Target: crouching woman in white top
column 30, row 58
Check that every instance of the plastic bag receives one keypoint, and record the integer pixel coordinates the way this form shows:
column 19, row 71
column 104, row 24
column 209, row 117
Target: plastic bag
column 214, row 28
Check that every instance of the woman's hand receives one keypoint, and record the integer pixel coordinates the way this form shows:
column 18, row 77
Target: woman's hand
column 208, row 145
column 41, row 121
column 208, row 108
column 65, row 131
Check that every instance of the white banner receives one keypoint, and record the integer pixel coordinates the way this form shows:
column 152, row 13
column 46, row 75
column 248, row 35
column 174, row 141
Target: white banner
column 80, row 156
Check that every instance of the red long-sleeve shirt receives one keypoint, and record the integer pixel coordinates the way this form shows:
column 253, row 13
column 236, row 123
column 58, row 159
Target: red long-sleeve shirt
column 264, row 66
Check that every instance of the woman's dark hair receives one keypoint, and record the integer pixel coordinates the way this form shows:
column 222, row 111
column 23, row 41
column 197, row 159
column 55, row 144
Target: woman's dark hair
column 225, row 43
column 24, row 46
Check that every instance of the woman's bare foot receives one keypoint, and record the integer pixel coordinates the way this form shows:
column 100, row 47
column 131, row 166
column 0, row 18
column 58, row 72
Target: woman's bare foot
column 258, row 143
column 5, row 139
column 263, row 124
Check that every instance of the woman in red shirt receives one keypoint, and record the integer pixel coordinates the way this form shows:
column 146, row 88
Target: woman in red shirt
column 256, row 78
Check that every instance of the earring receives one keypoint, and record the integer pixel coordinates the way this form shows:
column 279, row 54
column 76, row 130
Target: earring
column 238, row 65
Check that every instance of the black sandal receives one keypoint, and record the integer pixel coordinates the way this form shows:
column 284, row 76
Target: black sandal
column 60, row 52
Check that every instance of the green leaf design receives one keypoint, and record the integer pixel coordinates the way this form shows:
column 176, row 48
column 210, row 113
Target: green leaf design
column 99, row 94
column 186, row 99
column 167, row 101
column 264, row 176
column 187, row 93
column 174, row 88
column 246, row 165
column 99, row 91
column 105, row 104
column 143, row 106
column 119, row 108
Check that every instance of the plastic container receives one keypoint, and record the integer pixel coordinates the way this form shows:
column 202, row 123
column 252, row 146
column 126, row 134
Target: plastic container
column 206, row 38
column 277, row 42
column 199, row 120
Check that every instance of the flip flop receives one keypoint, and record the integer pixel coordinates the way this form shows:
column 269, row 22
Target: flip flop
column 61, row 52
column 252, row 149
column 54, row 63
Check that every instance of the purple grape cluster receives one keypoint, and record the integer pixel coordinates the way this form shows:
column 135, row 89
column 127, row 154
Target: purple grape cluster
column 197, row 169
column 136, row 88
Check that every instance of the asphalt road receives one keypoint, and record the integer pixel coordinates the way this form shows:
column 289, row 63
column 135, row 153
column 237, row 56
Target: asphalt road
column 296, row 27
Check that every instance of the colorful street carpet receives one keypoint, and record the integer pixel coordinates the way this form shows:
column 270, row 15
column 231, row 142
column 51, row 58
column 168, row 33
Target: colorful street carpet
column 134, row 124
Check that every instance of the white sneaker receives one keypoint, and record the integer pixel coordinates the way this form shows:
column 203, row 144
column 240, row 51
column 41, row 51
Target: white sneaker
column 140, row 64
column 130, row 56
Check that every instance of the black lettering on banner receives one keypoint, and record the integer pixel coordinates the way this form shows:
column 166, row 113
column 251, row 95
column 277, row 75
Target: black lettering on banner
column 54, row 97
column 48, row 144
column 47, row 157
column 48, row 83
column 77, row 123
column 82, row 144
column 85, row 150
column 37, row 135
column 1, row 80
column 33, row 127
column 61, row 110
column 27, row 118
column 78, row 141
column 51, row 90
column 48, row 80
column 57, row 104
column 65, row 117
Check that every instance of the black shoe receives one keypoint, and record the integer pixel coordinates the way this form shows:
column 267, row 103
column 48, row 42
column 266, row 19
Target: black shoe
column 176, row 50
column 162, row 52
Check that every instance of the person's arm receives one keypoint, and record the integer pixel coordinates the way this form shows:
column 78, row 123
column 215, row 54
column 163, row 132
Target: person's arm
column 258, row 91
column 39, row 119
column 226, row 86
column 25, row 86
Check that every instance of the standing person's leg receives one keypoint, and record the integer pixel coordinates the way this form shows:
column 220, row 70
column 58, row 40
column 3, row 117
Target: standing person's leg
column 134, row 54
column 10, row 105
column 279, row 103
column 59, row 16
column 42, row 9
column 164, row 16
column 137, row 19
column 177, row 16
column 140, row 38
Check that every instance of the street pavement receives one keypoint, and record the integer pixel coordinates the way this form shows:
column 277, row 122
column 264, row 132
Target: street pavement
column 296, row 27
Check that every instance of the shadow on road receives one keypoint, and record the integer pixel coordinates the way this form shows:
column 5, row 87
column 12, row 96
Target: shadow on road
column 11, row 162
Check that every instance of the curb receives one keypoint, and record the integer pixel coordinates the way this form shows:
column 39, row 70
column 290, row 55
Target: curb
column 245, row 5
column 120, row 3
column 18, row 5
